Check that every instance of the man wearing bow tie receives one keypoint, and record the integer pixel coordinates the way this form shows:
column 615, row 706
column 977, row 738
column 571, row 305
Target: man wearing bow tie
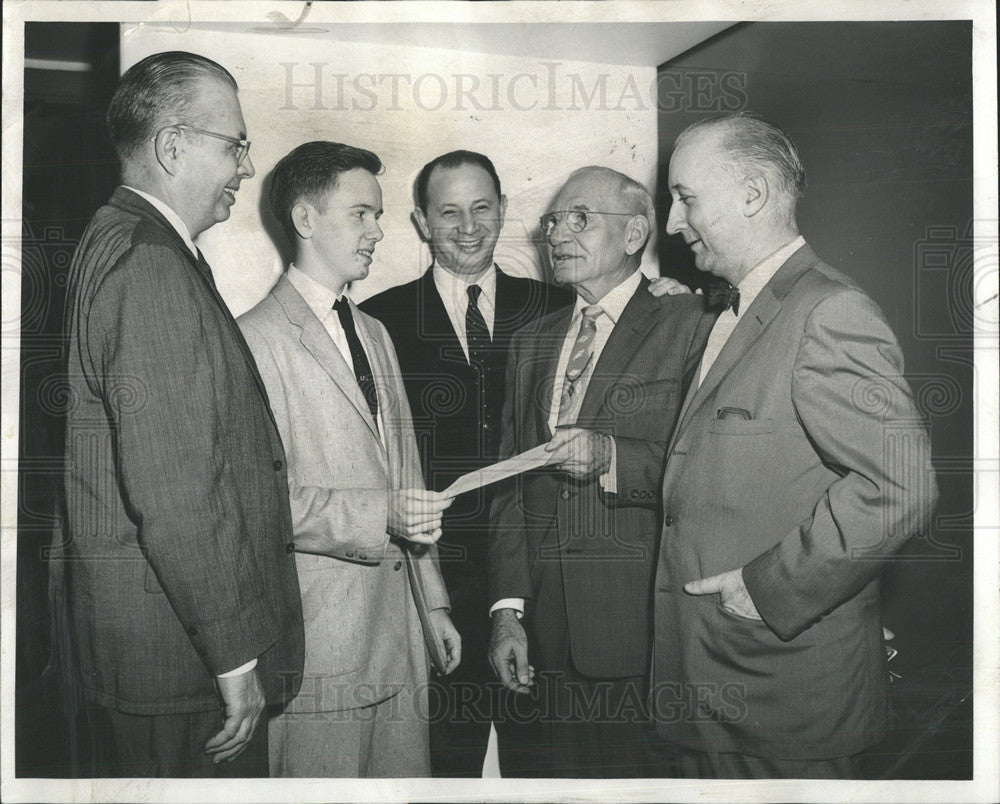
column 572, row 545
column 360, row 513
column 798, row 467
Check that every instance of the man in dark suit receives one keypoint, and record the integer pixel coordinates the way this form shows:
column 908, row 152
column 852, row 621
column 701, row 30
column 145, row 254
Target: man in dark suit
column 452, row 329
column 798, row 467
column 572, row 546
column 180, row 581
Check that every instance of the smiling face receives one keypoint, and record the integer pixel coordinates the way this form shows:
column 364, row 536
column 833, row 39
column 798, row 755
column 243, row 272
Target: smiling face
column 341, row 230
column 707, row 209
column 598, row 258
column 463, row 218
column 211, row 173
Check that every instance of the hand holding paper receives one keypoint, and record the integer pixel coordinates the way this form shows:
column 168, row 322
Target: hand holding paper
column 415, row 514
column 525, row 462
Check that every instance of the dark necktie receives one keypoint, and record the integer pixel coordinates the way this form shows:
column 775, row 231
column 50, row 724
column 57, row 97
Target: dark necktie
column 362, row 368
column 722, row 297
column 477, row 335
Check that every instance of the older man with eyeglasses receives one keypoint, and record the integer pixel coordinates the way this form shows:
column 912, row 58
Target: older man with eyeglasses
column 179, row 575
column 572, row 544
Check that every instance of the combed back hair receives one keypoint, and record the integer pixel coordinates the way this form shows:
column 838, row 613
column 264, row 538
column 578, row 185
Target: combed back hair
column 453, row 159
column 309, row 172
column 156, row 92
column 632, row 196
column 757, row 144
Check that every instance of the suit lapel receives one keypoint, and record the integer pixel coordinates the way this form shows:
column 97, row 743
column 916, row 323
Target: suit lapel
column 433, row 321
column 317, row 341
column 137, row 205
column 635, row 321
column 750, row 327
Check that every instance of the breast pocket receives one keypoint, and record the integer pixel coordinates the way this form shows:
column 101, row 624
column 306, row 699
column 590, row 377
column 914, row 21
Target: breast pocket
column 738, row 426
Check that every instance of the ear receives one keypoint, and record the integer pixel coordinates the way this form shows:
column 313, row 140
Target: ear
column 168, row 148
column 636, row 234
column 757, row 193
column 302, row 219
column 421, row 220
column 503, row 208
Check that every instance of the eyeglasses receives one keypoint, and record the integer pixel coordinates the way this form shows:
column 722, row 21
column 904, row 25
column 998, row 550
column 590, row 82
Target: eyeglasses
column 576, row 219
column 243, row 145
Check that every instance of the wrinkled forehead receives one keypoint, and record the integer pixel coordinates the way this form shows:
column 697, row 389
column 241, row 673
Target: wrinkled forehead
column 589, row 191
column 463, row 179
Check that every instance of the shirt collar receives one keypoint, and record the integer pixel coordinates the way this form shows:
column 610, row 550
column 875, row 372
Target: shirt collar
column 753, row 282
column 319, row 297
column 614, row 301
column 454, row 287
column 172, row 217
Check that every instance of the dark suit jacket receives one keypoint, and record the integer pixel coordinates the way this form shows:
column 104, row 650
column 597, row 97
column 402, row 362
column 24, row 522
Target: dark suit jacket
column 569, row 548
column 457, row 409
column 825, row 475
column 177, row 499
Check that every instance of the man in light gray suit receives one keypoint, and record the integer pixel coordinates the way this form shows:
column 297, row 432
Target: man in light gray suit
column 360, row 513
column 799, row 466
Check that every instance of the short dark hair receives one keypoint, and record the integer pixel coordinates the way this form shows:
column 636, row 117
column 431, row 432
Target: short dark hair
column 453, row 159
column 753, row 142
column 157, row 91
column 309, row 172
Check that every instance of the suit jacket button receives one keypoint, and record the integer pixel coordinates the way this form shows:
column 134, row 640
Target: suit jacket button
column 290, row 547
column 668, row 520
column 397, row 566
column 277, row 466
column 564, row 494
column 362, row 556
column 634, row 494
column 350, row 554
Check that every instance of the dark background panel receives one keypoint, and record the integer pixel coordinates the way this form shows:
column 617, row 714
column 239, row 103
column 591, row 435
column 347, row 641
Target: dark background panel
column 882, row 116
column 69, row 171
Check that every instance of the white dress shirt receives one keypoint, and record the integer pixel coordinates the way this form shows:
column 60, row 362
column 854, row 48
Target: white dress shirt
column 179, row 226
column 454, row 293
column 320, row 300
column 750, row 287
column 613, row 304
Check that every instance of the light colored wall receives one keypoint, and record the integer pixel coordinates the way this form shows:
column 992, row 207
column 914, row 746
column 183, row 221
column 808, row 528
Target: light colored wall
column 569, row 122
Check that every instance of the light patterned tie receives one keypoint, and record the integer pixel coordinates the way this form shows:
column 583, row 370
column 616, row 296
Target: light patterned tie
column 579, row 359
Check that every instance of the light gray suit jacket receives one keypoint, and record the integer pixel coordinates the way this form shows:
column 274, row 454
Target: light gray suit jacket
column 363, row 636
column 801, row 459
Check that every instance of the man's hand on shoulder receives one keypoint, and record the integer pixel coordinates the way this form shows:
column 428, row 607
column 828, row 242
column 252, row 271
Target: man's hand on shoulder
column 415, row 514
column 667, row 286
column 509, row 652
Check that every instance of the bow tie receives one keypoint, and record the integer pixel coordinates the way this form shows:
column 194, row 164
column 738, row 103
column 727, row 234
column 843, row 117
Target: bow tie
column 722, row 297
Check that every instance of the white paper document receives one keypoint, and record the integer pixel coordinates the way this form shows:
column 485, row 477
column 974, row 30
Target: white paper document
column 524, row 462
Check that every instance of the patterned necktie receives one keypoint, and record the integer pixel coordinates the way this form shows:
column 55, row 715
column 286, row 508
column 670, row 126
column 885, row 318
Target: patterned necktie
column 579, row 359
column 362, row 368
column 477, row 335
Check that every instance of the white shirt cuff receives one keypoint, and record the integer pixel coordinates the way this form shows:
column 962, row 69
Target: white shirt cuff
column 516, row 603
column 609, row 480
column 239, row 671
